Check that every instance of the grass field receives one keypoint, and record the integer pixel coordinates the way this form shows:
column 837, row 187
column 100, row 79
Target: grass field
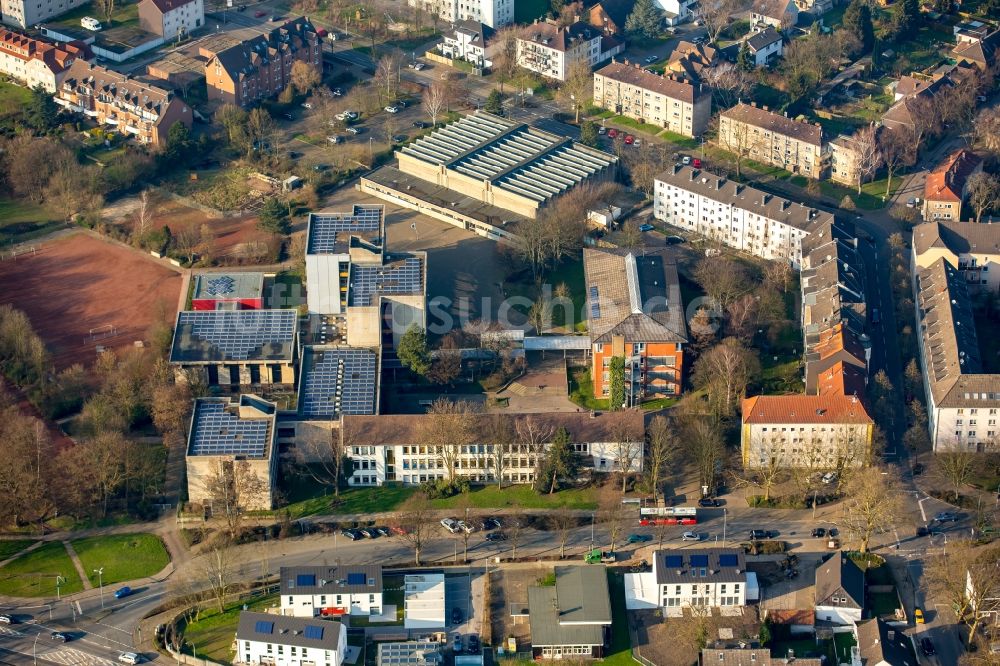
column 13, row 547
column 581, row 389
column 490, row 497
column 124, row 556
column 212, row 635
column 569, row 273
column 34, row 574
column 636, row 125
column 620, row 651
column 21, row 221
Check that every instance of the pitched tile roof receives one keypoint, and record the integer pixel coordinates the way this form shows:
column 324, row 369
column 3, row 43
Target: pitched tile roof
column 480, row 32
column 125, row 90
column 947, row 181
column 880, row 643
column 840, row 573
column 634, row 75
column 287, row 630
column 244, row 58
column 958, row 237
column 982, row 52
column 691, row 60
column 762, row 39
column 57, row 57
column 800, row 408
column 909, row 85
column 559, row 38
column 165, row 6
column 617, row 10
column 842, row 379
column 737, row 656
column 775, row 122
column 635, row 296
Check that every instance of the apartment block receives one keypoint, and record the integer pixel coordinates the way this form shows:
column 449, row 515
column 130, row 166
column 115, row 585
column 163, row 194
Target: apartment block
column 29, row 13
column 665, row 101
column 36, row 62
column 947, row 185
column 121, row 103
column 742, row 217
column 171, row 18
column 331, row 591
column 974, row 249
column 470, row 41
column 261, row 67
column 771, row 138
column 552, row 50
column 700, row 577
column 843, row 160
column 493, row 13
column 266, row 638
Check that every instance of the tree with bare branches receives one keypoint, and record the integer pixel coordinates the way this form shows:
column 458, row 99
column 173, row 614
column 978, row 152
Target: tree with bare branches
column 577, row 90
column 898, row 151
column 766, row 466
column 447, row 429
column 740, row 140
column 967, row 577
column 234, row 486
column 627, row 447
column 218, row 568
column 614, row 515
column 434, row 98
column 562, row 522
column 305, row 77
column 984, row 193
column 505, row 64
column 663, row 449
column 867, row 153
column 725, row 371
column 715, row 14
column 955, row 468
column 533, row 435
column 414, row 521
column 872, row 505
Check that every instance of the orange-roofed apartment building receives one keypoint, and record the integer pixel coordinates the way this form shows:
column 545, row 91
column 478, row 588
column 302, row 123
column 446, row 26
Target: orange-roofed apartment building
column 948, row 184
column 634, row 312
column 806, row 431
column 35, row 62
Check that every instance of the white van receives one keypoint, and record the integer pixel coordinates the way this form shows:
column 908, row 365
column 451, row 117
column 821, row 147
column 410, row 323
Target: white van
column 90, row 23
column 129, row 658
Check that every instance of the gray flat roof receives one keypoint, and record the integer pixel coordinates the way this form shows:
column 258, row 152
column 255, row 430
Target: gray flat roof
column 234, row 335
column 286, row 630
column 572, row 612
column 228, row 286
column 337, row 381
column 397, row 275
column 330, row 232
column 220, row 427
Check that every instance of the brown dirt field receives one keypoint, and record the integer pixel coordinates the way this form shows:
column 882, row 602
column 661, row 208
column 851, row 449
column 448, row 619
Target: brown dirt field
column 79, row 282
column 230, row 232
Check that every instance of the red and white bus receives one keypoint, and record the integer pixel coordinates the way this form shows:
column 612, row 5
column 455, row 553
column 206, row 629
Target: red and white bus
column 668, row 515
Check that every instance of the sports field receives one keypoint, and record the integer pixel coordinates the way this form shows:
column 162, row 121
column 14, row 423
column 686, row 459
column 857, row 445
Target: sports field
column 80, row 292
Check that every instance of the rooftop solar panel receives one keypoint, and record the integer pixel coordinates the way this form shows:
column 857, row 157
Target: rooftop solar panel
column 264, row 627
column 238, row 335
column 356, row 579
column 699, row 560
column 305, row 580
column 400, row 277
column 313, row 631
column 217, row 431
column 674, row 561
column 324, row 228
column 338, row 381
column 221, row 285
column 728, row 560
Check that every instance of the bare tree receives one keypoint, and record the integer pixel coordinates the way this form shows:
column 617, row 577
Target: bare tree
column 614, row 515
column 722, row 279
column 449, row 427
column 725, row 371
column 898, row 151
column 143, row 216
column 562, row 522
column 533, row 435
column 305, row 77
column 715, row 14
column 766, row 466
column 742, row 315
column 578, row 88
column 967, row 577
column 415, row 522
column 872, row 505
column 705, row 449
column 627, row 447
column 741, row 141
column 505, row 64
column 326, row 460
column 730, row 83
column 984, row 193
column 434, row 99
column 260, row 130
column 187, row 239
column 867, row 153
column 501, row 436
column 955, row 468
column 234, row 486
column 106, row 8
column 218, row 566
column 515, row 523
column 387, row 76
column 662, row 452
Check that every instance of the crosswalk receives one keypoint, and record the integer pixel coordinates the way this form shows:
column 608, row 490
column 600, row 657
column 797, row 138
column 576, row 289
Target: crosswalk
column 7, row 631
column 71, row 657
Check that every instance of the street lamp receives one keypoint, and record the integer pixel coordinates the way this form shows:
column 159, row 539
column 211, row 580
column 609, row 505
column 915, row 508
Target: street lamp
column 100, row 583
column 59, row 581
column 725, row 516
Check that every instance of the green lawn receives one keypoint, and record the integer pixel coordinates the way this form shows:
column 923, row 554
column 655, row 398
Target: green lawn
column 581, row 390
column 871, row 193
column 21, row 221
column 636, row 125
column 679, row 140
column 353, row 500
column 13, row 547
column 124, row 13
column 490, row 497
column 212, row 635
column 620, row 650
column 34, row 574
column 569, row 273
column 124, row 557
column 883, row 603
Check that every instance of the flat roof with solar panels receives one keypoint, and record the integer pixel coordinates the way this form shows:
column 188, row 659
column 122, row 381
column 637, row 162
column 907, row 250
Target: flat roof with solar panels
column 234, row 335
column 515, row 157
column 707, row 565
column 331, row 233
column 343, row 579
column 336, row 381
column 241, row 428
column 227, row 286
column 287, row 630
column 398, row 275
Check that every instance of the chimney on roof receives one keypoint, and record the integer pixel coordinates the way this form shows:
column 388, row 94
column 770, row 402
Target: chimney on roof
column 753, row 104
column 765, row 107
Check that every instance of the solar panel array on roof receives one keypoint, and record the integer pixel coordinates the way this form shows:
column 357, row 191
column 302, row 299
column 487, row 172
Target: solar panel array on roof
column 305, row 580
column 595, row 303
column 263, row 627
column 221, row 285
column 729, row 560
column 405, row 277
column 356, row 579
column 699, row 560
column 313, row 631
column 674, row 561
column 324, row 228
column 236, row 335
column 337, row 381
column 218, row 432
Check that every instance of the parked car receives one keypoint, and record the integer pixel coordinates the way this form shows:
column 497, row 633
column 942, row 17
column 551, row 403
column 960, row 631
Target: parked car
column 629, row 139
column 496, row 536
column 923, row 531
column 468, row 528
column 708, row 502
column 456, row 615
column 307, row 105
column 274, row 18
column 7, row 619
column 473, row 644
column 675, row 240
column 696, row 163
column 335, row 139
column 829, row 477
column 927, row 647
column 757, row 534
column 123, row 592
column 612, row 132
column 491, row 523
column 129, row 658
column 287, row 116
column 337, row 92
column 450, row 524
column 602, row 130
column 639, row 538
column 918, row 616
column 456, row 643
column 918, row 469
column 320, row 167
column 646, row 227
column 419, row 124
column 350, row 534
column 713, row 252
column 355, row 130
column 946, row 517
column 772, row 534
column 392, row 108
column 369, row 533
column 876, row 316
column 690, row 536
column 259, row 13
column 686, row 159
column 383, row 531
column 419, row 66
column 650, row 59
column 59, row 636
column 819, row 532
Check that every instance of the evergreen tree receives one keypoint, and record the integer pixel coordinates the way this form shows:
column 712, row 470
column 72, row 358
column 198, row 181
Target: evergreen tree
column 494, row 103
column 274, row 218
column 744, row 60
column 561, row 462
column 40, row 113
column 858, row 20
column 179, row 146
column 412, row 350
column 589, row 133
column 646, row 20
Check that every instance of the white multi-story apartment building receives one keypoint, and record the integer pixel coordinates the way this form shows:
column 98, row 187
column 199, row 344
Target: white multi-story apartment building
column 394, row 447
column 275, row 640
column 740, row 216
column 469, row 41
column 28, row 13
column 35, row 62
column 494, row 13
column 171, row 18
column 665, row 101
column 772, row 138
column 974, row 249
column 331, row 591
column 551, row 50
column 705, row 577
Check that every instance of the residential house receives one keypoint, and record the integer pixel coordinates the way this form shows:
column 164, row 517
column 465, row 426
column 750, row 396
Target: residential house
column 913, row 94
column 29, row 13
column 36, row 62
column 843, row 160
column 265, row 638
column 121, row 103
column 493, row 13
column 981, row 53
column 947, row 185
column 610, row 15
column 666, row 101
column 840, row 590
column 882, row 644
column 805, row 431
column 410, row 653
column 741, row 216
column 690, row 60
column 635, row 313
column 765, row 45
column 700, row 577
column 962, row 399
column 772, row 138
column 974, row 249
column 909, row 85
column 551, row 50
column 261, row 67
column 971, row 32
column 171, row 18
column 571, row 619
column 331, row 591
column 470, row 41
column 390, row 448
column 779, row 14
column 815, row 7
column 231, row 443
column 837, row 345
column 750, row 656
column 676, row 12
column 986, row 606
